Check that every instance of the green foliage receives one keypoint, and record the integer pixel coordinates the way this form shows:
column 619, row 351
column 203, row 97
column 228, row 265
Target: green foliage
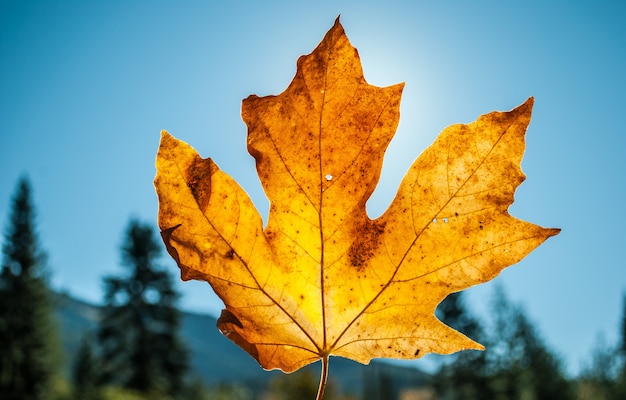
column 302, row 384
column 86, row 371
column 225, row 392
column 605, row 377
column 521, row 364
column 597, row 380
column 118, row 393
column 138, row 334
column 515, row 365
column 29, row 356
column 620, row 381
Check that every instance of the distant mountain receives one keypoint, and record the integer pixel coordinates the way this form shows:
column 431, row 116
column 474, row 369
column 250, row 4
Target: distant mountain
column 215, row 359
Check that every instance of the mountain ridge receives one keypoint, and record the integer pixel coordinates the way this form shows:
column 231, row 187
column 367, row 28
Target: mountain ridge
column 216, row 360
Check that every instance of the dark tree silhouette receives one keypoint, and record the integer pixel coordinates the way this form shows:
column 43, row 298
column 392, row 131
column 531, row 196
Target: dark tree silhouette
column 27, row 332
column 620, row 382
column 138, row 334
column 520, row 364
column 515, row 365
column 597, row 380
column 463, row 375
column 86, row 371
column 454, row 312
column 605, row 376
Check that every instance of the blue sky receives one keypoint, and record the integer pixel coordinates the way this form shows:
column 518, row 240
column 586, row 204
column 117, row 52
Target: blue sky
column 86, row 87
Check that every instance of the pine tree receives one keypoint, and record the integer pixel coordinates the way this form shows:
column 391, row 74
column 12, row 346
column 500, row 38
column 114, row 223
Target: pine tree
column 521, row 365
column 597, row 380
column 86, row 371
column 620, row 381
column 138, row 333
column 27, row 332
column 605, row 377
column 454, row 312
column 463, row 375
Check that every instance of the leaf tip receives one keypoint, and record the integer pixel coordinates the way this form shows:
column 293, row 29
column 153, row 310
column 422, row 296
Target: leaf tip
column 527, row 106
column 165, row 135
column 473, row 345
column 553, row 231
column 166, row 138
column 337, row 25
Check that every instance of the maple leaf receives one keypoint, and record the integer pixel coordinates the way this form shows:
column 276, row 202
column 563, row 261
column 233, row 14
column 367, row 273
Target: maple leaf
column 322, row 278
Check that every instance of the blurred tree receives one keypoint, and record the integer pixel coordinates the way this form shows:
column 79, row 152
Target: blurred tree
column 302, row 384
column 454, row 312
column 378, row 384
column 597, row 380
column 138, row 334
column 462, row 375
column 86, row 371
column 620, row 382
column 30, row 348
column 520, row 364
column 117, row 393
column 229, row 392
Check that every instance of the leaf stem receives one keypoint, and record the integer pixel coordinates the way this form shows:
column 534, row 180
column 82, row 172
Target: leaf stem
column 320, row 391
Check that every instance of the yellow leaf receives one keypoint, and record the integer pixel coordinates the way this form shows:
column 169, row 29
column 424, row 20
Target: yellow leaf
column 322, row 278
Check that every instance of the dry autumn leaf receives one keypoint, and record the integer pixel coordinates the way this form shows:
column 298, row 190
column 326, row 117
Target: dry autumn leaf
column 322, row 278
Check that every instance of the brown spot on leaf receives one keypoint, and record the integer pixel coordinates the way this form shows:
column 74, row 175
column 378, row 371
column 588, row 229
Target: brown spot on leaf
column 198, row 178
column 365, row 244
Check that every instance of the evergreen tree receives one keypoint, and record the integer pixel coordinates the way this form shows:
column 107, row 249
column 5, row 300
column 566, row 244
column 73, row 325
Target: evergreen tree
column 521, row 366
column 86, row 371
column 454, row 312
column 515, row 365
column 597, row 380
column 605, row 377
column 138, row 333
column 27, row 332
column 620, row 382
column 463, row 375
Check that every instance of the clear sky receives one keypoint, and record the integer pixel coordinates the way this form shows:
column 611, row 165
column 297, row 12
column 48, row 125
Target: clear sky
column 86, row 87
